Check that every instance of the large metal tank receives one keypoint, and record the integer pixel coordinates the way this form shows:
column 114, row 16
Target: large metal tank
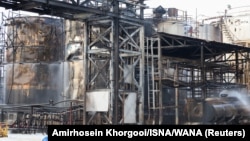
column 236, row 28
column 235, row 25
column 210, row 32
column 43, row 60
column 172, row 22
column 34, row 60
column 175, row 27
column 229, row 108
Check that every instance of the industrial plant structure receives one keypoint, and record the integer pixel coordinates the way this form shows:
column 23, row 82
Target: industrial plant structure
column 102, row 62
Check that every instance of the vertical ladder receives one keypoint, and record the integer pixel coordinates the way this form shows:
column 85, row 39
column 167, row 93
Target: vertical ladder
column 154, row 89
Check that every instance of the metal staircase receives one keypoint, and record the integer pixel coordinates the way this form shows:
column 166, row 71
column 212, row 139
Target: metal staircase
column 226, row 32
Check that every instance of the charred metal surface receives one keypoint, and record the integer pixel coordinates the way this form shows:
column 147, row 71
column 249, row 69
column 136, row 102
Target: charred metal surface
column 109, row 23
column 34, row 39
column 73, row 68
column 34, row 52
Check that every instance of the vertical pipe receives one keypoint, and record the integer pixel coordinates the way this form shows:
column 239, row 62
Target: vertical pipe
column 160, row 82
column 141, row 10
column 2, row 115
column 85, row 66
column 176, row 105
column 111, row 74
column 192, row 80
column 142, row 60
column 148, row 78
column 237, row 66
column 176, row 85
column 31, row 110
column 153, row 112
column 70, row 114
column 203, row 95
column 203, row 71
column 116, row 60
column 196, row 23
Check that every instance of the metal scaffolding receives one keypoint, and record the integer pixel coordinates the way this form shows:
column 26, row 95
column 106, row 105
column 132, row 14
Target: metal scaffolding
column 125, row 78
column 113, row 54
column 194, row 69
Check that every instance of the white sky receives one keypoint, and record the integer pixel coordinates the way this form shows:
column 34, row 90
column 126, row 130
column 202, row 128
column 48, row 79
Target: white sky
column 197, row 8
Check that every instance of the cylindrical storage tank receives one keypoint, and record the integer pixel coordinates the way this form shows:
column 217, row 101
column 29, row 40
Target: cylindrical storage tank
column 237, row 28
column 217, row 112
column 175, row 27
column 210, row 32
column 34, row 60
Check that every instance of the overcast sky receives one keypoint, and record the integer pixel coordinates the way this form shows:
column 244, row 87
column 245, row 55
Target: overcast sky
column 199, row 7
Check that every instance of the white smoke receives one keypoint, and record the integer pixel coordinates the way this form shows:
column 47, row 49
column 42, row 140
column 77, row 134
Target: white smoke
column 242, row 97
